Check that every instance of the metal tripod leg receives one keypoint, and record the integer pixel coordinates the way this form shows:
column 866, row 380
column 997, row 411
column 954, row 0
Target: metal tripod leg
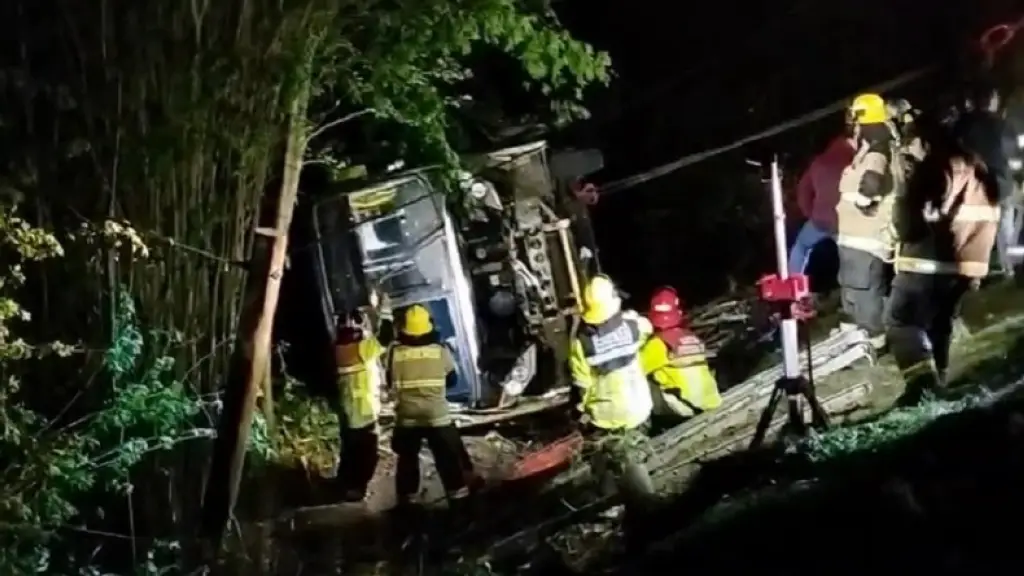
column 819, row 417
column 793, row 389
column 766, row 417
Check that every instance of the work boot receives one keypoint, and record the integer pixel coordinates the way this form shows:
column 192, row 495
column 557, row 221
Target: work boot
column 460, row 509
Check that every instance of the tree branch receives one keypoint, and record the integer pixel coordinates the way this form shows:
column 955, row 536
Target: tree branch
column 328, row 125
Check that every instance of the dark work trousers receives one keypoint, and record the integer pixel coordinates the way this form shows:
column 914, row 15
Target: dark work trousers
column 617, row 460
column 450, row 457
column 663, row 416
column 864, row 286
column 358, row 460
column 919, row 318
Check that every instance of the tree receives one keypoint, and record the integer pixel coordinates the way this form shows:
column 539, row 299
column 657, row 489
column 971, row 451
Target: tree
column 173, row 118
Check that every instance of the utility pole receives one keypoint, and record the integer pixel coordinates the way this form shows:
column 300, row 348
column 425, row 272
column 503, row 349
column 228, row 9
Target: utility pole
column 251, row 355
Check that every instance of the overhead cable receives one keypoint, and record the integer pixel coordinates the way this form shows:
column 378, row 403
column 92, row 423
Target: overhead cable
column 690, row 159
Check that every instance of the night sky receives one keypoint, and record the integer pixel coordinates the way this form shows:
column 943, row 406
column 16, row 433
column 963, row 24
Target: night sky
column 691, row 79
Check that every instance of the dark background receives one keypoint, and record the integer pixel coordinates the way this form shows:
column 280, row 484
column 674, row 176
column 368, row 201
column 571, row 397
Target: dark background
column 694, row 76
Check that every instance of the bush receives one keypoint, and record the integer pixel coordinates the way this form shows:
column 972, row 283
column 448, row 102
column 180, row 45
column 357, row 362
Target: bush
column 49, row 467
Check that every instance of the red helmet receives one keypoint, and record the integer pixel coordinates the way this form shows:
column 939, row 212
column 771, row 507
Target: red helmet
column 665, row 312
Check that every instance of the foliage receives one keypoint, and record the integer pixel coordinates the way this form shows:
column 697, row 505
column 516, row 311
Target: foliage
column 167, row 122
column 871, row 436
column 405, row 62
column 48, row 465
column 307, row 430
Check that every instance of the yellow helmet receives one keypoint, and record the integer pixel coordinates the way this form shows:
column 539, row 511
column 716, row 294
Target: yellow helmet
column 600, row 300
column 417, row 321
column 868, row 109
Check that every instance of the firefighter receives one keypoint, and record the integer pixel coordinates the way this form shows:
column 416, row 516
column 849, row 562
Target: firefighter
column 357, row 355
column 867, row 191
column 615, row 400
column 987, row 133
column 675, row 362
column 419, row 370
column 947, row 223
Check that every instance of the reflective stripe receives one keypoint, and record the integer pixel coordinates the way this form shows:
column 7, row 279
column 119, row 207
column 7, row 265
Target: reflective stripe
column 620, row 353
column 412, row 384
column 344, row 370
column 873, row 245
column 977, row 214
column 926, row 266
column 689, row 362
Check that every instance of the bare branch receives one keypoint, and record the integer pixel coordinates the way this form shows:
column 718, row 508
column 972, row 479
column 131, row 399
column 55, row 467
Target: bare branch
column 328, row 125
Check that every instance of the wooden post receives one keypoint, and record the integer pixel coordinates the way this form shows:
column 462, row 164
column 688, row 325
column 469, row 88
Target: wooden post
column 255, row 327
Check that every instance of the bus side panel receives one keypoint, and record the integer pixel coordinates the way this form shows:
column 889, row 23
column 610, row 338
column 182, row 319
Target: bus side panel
column 441, row 312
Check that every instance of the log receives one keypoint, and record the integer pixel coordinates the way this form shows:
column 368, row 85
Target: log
column 747, row 400
column 532, row 536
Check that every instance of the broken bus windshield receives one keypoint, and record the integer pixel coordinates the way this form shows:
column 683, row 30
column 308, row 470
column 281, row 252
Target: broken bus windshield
column 398, row 227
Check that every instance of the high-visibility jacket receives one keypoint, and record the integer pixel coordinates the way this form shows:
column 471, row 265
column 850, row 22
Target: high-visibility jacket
column 867, row 191
column 419, row 377
column 605, row 363
column 682, row 372
column 948, row 220
column 359, row 380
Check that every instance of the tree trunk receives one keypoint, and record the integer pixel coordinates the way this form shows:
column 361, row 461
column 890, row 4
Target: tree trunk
column 252, row 352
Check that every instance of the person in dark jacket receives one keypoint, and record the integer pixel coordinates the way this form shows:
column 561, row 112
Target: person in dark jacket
column 986, row 133
column 817, row 196
column 946, row 223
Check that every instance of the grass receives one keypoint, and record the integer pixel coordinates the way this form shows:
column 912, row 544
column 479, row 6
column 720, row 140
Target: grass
column 907, row 474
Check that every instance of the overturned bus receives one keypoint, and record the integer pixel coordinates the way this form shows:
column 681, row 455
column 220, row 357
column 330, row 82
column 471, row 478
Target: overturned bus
column 499, row 262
